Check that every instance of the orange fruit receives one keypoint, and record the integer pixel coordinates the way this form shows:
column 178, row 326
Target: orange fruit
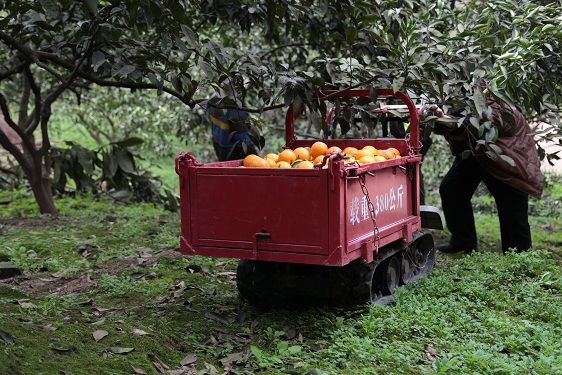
column 254, row 161
column 367, row 159
column 271, row 163
column 318, row 160
column 287, row 155
column 302, row 153
column 318, row 148
column 394, row 151
column 379, row 158
column 387, row 154
column 272, row 155
column 283, row 165
column 305, row 164
column 362, row 153
column 370, row 149
column 333, row 149
column 350, row 151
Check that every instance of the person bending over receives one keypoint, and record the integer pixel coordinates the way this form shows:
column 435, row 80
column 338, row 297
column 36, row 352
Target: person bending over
column 510, row 185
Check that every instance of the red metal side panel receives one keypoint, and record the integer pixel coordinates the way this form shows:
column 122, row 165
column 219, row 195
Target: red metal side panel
column 229, row 207
column 392, row 192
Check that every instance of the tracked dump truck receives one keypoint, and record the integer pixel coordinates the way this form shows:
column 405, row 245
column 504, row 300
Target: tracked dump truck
column 338, row 233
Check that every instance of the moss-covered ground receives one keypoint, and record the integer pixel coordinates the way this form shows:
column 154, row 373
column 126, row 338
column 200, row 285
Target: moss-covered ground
column 102, row 267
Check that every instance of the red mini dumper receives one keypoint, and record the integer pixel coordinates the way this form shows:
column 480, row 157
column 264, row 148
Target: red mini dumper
column 342, row 234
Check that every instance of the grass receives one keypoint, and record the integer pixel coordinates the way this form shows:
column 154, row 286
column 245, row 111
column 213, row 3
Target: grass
column 104, row 266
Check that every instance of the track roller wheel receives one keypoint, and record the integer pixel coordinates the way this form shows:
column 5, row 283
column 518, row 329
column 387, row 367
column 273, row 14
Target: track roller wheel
column 407, row 270
column 387, row 276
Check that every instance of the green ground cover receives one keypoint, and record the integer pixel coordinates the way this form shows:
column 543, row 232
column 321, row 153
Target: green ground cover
column 114, row 269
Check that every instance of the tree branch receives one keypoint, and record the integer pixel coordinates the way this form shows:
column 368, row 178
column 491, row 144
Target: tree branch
column 24, row 102
column 35, row 117
column 15, row 152
column 14, row 70
column 8, row 118
column 205, row 103
column 38, row 56
column 273, row 50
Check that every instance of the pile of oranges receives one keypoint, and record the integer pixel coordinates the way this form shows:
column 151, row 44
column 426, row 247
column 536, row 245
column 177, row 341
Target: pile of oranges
column 308, row 157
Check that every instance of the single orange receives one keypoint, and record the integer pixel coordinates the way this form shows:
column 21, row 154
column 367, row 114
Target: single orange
column 372, row 150
column 273, row 156
column 287, row 155
column 362, row 153
column 394, row 151
column 350, row 151
column 318, row 160
column 318, row 148
column 271, row 163
column 367, row 159
column 387, row 154
column 333, row 149
column 254, row 161
column 302, row 153
column 379, row 158
column 283, row 165
column 305, row 164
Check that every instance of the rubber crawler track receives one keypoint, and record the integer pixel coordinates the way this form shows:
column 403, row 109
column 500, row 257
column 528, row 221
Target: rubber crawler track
column 273, row 283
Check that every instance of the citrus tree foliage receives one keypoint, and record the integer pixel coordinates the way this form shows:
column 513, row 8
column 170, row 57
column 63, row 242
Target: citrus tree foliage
column 109, row 115
column 269, row 53
column 111, row 168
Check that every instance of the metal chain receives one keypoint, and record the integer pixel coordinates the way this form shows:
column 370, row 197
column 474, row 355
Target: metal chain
column 371, row 211
column 409, row 145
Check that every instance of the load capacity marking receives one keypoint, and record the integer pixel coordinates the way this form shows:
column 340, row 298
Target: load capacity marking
column 385, row 202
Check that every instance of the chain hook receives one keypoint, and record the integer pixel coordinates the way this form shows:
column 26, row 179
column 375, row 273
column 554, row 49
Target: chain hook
column 371, row 211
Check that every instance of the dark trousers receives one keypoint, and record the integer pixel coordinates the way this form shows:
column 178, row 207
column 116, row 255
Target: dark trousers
column 456, row 190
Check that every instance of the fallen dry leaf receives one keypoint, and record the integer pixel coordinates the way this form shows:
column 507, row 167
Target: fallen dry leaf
column 160, row 366
column 6, row 337
column 188, row 360
column 139, row 332
column 119, row 350
column 49, row 328
column 139, row 371
column 431, row 353
column 24, row 304
column 99, row 334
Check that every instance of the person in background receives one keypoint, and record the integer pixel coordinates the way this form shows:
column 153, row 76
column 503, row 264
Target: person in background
column 230, row 133
column 510, row 185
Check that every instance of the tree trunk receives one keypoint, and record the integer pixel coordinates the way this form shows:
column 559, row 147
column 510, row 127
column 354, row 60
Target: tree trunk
column 42, row 191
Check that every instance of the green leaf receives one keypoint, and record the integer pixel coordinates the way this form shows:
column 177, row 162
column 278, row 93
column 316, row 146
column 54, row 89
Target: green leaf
column 474, row 122
column 350, row 34
column 479, row 101
column 508, row 160
column 397, row 83
column 51, row 8
column 191, row 36
column 294, row 349
column 129, row 142
column 92, row 6
column 466, row 154
column 126, row 70
column 125, row 161
column 98, row 58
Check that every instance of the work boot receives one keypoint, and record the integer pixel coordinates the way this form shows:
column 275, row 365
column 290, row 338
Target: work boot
column 450, row 249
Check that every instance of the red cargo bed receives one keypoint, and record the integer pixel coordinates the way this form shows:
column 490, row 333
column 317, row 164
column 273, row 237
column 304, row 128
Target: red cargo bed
column 317, row 216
